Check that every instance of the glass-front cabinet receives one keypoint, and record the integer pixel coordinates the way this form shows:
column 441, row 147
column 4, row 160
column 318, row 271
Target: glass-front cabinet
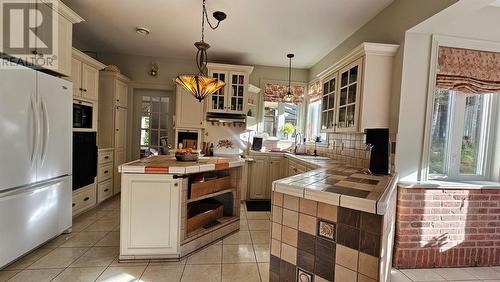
column 233, row 97
column 328, row 105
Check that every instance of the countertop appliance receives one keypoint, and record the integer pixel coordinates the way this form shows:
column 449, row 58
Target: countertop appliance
column 380, row 156
column 82, row 114
column 84, row 159
column 35, row 154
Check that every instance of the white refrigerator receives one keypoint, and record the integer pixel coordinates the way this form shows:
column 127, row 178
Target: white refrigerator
column 35, row 154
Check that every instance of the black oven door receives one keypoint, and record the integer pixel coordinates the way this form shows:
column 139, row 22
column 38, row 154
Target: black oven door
column 82, row 115
column 84, row 159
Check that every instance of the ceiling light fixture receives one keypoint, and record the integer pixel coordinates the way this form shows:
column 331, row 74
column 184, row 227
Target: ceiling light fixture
column 200, row 85
column 142, row 30
column 289, row 97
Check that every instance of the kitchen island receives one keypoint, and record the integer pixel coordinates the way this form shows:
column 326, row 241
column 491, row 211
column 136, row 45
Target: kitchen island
column 331, row 222
column 170, row 209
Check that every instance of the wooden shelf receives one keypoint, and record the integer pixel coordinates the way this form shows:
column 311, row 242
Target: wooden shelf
column 201, row 231
column 211, row 195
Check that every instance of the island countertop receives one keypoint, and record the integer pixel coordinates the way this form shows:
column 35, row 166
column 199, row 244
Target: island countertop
column 169, row 165
column 335, row 183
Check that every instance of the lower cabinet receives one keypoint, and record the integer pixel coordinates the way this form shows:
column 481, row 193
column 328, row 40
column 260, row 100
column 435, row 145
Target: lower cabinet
column 104, row 190
column 150, row 216
column 262, row 172
column 84, row 199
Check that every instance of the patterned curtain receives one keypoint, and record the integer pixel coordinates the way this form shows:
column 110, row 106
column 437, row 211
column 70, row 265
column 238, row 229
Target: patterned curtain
column 276, row 93
column 315, row 91
column 468, row 71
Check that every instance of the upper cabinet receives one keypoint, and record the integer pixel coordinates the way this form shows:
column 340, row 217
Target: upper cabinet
column 357, row 89
column 233, row 97
column 189, row 111
column 49, row 51
column 85, row 76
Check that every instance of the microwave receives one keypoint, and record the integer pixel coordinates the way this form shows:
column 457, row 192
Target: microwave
column 82, row 114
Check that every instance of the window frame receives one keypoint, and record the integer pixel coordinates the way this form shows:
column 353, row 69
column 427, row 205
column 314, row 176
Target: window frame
column 423, row 172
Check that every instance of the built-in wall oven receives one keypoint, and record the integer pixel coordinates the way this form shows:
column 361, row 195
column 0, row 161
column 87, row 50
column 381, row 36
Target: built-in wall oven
column 84, row 159
column 82, row 114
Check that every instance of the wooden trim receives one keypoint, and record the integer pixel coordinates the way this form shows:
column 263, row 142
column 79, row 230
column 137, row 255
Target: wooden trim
column 79, row 55
column 66, row 12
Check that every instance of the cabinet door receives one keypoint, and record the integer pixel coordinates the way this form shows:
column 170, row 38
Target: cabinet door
column 65, row 42
column 120, row 128
column 90, row 82
column 275, row 173
column 119, row 160
column 329, row 104
column 121, row 93
column 189, row 111
column 259, row 177
column 76, row 77
column 349, row 96
column 237, row 90
column 150, row 221
column 217, row 103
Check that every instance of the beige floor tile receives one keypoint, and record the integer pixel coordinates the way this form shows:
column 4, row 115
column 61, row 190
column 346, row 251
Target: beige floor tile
column 240, row 272
column 35, row 275
column 112, row 239
column 455, row 274
column 122, row 274
column 202, row 273
column 103, row 225
column 80, row 225
column 257, row 215
column 398, row 276
column 240, row 237
column 238, row 253
column 58, row 258
column 97, row 256
column 483, row 273
column 259, row 224
column 261, row 252
column 243, row 225
column 58, row 241
column 83, row 239
column 422, row 275
column 264, row 271
column 7, row 274
column 260, row 237
column 83, row 274
column 171, row 273
column 29, row 259
column 210, row 255
column 167, row 263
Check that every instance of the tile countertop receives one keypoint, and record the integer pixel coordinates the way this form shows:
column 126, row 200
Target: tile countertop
column 338, row 184
column 168, row 165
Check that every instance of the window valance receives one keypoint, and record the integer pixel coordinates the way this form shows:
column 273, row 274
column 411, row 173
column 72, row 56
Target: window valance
column 274, row 92
column 315, row 91
column 468, row 71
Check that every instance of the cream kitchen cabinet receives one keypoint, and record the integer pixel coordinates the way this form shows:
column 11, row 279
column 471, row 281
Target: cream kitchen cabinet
column 112, row 129
column 105, row 173
column 233, row 97
column 262, row 172
column 189, row 112
column 357, row 89
column 85, row 76
column 150, row 216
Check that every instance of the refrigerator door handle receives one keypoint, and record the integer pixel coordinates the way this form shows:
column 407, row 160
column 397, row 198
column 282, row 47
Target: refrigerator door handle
column 36, row 135
column 46, row 131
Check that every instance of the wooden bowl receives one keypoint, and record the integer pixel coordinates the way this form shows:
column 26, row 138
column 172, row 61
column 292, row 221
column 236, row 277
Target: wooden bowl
column 187, row 158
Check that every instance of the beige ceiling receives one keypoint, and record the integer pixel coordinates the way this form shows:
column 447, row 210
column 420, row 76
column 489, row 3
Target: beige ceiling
column 257, row 32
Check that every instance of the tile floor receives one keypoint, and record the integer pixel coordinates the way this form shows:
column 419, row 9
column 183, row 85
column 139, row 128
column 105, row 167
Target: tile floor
column 90, row 254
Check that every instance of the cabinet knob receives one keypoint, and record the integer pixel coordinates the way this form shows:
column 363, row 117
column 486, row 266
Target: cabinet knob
column 106, row 190
column 117, row 129
column 34, row 52
column 106, row 171
column 176, row 184
column 106, row 157
column 86, row 199
column 81, row 89
column 117, row 100
column 84, row 90
column 73, row 204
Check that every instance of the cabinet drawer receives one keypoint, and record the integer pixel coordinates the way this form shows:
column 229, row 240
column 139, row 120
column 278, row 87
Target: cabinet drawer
column 104, row 190
column 105, row 157
column 104, row 172
column 84, row 199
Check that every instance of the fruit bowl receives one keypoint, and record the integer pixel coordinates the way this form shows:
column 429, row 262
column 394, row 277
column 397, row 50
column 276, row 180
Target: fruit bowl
column 187, row 158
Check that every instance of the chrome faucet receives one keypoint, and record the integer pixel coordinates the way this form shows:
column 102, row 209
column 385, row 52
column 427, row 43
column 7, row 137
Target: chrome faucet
column 295, row 141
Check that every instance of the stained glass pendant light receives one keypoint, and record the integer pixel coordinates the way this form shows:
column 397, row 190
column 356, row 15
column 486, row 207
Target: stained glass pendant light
column 289, row 97
column 200, row 85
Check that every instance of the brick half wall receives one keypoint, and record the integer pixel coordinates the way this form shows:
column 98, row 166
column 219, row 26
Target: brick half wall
column 447, row 228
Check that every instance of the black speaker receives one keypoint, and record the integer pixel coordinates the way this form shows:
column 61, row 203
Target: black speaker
column 381, row 153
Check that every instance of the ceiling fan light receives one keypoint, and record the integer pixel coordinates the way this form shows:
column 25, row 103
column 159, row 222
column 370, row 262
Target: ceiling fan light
column 199, row 86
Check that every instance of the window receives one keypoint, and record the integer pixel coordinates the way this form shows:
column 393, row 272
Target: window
column 460, row 135
column 154, row 124
column 281, row 119
column 313, row 124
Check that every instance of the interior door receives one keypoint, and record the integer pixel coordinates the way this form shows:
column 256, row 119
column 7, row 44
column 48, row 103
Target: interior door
column 90, row 77
column 55, row 103
column 18, row 124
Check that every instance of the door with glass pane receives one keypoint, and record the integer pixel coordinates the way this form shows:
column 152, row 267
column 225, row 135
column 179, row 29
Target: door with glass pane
column 217, row 102
column 155, row 125
column 328, row 104
column 237, row 93
column 348, row 97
